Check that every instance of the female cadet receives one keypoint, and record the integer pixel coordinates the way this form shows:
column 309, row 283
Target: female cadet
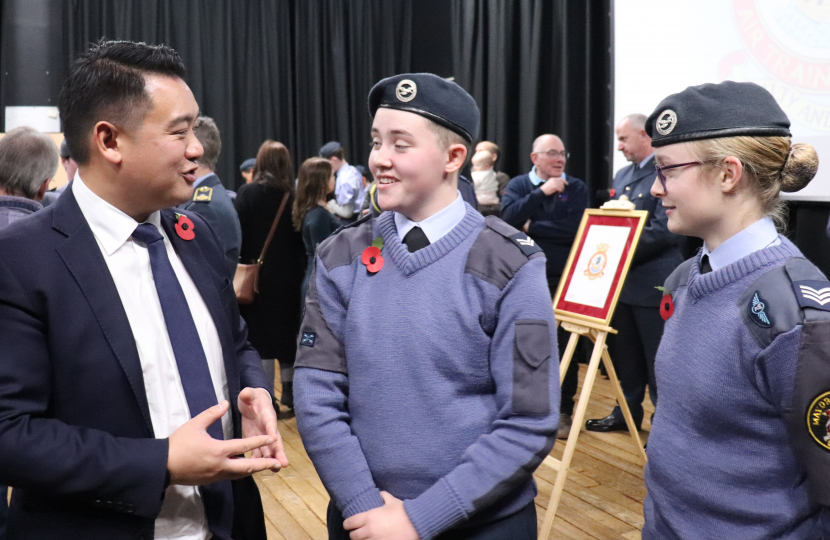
column 739, row 448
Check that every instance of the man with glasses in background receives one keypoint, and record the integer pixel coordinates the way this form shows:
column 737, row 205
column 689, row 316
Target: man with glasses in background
column 637, row 317
column 548, row 205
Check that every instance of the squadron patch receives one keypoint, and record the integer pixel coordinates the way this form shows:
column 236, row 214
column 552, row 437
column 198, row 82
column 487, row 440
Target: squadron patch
column 758, row 311
column 818, row 420
column 813, row 294
column 525, row 243
column 203, row 194
column 308, row 339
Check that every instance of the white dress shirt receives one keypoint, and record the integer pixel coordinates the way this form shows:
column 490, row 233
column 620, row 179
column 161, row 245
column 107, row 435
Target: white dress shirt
column 757, row 236
column 436, row 225
column 182, row 514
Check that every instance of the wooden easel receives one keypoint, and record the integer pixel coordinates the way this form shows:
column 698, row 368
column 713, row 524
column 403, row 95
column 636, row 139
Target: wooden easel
column 597, row 333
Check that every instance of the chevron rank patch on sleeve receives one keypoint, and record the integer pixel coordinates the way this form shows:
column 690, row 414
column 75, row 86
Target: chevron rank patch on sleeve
column 813, row 294
column 203, row 194
column 525, row 243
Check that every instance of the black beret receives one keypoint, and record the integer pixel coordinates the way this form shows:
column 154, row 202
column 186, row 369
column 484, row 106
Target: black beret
column 329, row 148
column 440, row 100
column 710, row 111
column 248, row 164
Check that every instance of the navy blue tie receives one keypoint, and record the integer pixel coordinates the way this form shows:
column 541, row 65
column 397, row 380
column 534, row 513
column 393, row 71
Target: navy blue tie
column 192, row 365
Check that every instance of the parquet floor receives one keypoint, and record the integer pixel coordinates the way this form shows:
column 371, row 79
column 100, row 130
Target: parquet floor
column 603, row 497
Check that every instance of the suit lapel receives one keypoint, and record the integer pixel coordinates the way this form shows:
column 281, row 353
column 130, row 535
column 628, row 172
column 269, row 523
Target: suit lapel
column 85, row 262
column 202, row 274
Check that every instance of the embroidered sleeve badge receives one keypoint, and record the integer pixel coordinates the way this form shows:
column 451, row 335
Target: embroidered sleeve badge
column 818, row 420
column 813, row 294
column 757, row 311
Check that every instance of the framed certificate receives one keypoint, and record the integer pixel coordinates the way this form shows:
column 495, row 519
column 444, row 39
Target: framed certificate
column 598, row 264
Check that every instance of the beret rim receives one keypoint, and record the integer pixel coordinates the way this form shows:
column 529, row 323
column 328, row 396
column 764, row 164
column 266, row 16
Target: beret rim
column 758, row 131
column 435, row 118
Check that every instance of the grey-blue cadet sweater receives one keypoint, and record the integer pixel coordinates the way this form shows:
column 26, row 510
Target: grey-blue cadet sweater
column 434, row 379
column 725, row 453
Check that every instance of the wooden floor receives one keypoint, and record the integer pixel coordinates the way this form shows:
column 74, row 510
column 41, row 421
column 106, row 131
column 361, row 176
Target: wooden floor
column 603, row 497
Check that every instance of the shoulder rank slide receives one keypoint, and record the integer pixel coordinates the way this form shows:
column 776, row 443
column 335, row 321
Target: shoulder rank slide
column 203, row 194
column 525, row 243
column 813, row 294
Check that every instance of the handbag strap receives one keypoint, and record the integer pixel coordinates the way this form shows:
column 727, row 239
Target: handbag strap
column 273, row 228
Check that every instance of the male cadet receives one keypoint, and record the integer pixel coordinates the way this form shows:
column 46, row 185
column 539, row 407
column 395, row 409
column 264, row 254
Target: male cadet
column 637, row 318
column 247, row 170
column 502, row 178
column 126, row 371
column 551, row 205
column 70, row 167
column 425, row 391
column 348, row 189
column 210, row 199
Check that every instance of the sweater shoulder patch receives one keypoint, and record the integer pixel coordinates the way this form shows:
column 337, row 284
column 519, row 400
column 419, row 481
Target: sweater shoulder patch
column 680, row 276
column 346, row 243
column 784, row 298
column 499, row 252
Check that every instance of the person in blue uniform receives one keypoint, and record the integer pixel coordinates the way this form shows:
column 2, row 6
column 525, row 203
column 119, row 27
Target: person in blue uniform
column 740, row 447
column 426, row 386
column 210, row 199
column 637, row 316
column 548, row 205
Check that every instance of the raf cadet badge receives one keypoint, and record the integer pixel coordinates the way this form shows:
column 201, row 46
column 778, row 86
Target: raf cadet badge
column 596, row 265
column 666, row 303
column 406, row 90
column 818, row 420
column 666, row 122
column 371, row 256
column 184, row 227
column 758, row 311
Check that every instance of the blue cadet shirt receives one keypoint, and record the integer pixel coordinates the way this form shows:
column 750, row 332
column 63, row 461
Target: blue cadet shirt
column 740, row 444
column 435, row 378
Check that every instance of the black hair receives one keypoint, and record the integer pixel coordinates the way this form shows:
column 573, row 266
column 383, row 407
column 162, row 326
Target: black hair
column 108, row 83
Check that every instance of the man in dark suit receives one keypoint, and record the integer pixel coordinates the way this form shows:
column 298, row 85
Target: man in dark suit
column 637, row 317
column 127, row 379
column 548, row 205
column 210, row 199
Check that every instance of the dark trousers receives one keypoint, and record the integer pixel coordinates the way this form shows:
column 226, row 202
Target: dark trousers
column 571, row 381
column 518, row 526
column 4, row 510
column 633, row 350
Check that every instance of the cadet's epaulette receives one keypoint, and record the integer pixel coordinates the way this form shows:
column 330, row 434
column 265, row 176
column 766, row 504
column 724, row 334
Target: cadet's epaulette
column 203, row 194
column 783, row 298
column 520, row 239
column 357, row 223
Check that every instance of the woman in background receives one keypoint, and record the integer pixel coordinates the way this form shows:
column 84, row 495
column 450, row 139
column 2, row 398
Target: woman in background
column 274, row 316
column 310, row 215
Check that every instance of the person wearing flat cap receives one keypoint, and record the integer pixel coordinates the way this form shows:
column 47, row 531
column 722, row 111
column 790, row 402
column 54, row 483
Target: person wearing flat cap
column 740, row 447
column 427, row 387
column 348, row 189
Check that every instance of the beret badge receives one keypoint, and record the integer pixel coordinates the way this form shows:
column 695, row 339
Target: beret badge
column 666, row 122
column 406, row 90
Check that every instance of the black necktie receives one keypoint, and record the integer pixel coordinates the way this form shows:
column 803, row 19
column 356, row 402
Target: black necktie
column 415, row 239
column 705, row 267
column 193, row 367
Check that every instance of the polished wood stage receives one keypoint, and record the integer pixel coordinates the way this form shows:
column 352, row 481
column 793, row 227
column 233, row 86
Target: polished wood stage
column 603, row 497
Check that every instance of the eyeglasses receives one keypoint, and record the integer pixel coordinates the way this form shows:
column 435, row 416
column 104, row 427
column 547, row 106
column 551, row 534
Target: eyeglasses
column 554, row 154
column 662, row 177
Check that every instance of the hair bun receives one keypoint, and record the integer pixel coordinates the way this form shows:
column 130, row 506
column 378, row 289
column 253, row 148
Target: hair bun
column 800, row 168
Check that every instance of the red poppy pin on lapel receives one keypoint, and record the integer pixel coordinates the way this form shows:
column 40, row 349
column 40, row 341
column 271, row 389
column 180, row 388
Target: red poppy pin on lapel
column 371, row 256
column 666, row 304
column 184, row 227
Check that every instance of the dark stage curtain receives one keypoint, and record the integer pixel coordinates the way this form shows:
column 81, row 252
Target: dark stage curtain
column 540, row 66
column 290, row 70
